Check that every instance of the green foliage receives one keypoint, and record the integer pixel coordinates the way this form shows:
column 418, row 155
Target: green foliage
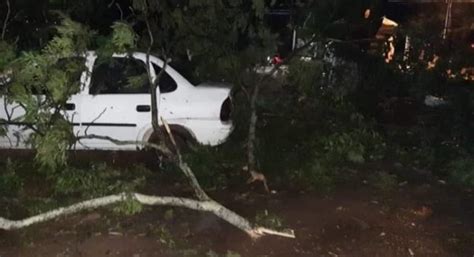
column 259, row 7
column 51, row 147
column 229, row 253
column 317, row 140
column 462, row 172
column 40, row 205
column 384, row 181
column 318, row 175
column 47, row 73
column 123, row 37
column 356, row 145
column 137, row 81
column 166, row 238
column 72, row 39
column 10, row 182
column 35, row 193
column 129, row 207
column 269, row 220
column 7, row 54
column 169, row 215
column 333, row 152
column 97, row 180
column 306, row 76
column 213, row 166
column 224, row 39
column 54, row 73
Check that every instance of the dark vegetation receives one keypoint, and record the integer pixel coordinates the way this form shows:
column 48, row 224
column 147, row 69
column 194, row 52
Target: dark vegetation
column 322, row 128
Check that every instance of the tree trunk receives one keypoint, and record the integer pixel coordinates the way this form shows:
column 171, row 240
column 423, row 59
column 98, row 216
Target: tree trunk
column 252, row 163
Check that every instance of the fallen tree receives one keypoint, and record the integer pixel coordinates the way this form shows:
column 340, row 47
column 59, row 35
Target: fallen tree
column 204, row 202
column 57, row 136
column 207, row 206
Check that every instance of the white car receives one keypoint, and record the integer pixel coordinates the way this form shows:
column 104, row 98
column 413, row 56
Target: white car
column 108, row 106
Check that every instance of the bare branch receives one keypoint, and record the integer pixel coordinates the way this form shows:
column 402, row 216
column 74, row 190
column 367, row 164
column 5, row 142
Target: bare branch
column 201, row 195
column 207, row 206
column 160, row 148
column 5, row 22
column 120, row 10
column 111, row 3
column 94, row 120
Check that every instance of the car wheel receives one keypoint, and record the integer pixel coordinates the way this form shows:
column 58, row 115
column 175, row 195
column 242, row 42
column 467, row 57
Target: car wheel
column 183, row 143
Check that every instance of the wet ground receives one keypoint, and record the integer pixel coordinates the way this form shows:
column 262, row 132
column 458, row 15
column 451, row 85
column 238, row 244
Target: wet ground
column 414, row 220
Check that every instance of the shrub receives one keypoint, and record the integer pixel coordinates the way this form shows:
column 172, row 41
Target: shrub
column 98, row 180
column 384, row 182
column 355, row 145
column 461, row 172
column 10, row 182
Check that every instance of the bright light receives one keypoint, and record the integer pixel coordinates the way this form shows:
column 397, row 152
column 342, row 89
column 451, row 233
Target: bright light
column 389, row 22
column 367, row 14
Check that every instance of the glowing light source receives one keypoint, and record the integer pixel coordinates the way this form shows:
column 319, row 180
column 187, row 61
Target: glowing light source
column 388, row 22
column 367, row 13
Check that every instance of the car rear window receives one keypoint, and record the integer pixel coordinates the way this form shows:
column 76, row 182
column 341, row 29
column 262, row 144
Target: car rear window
column 167, row 83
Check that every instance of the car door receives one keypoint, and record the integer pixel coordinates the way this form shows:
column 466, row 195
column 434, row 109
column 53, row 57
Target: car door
column 117, row 104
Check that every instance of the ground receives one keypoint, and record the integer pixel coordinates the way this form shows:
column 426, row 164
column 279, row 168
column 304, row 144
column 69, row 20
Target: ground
column 424, row 219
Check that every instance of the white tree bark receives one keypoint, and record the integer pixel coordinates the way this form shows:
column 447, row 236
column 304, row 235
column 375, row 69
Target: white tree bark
column 207, row 206
column 204, row 202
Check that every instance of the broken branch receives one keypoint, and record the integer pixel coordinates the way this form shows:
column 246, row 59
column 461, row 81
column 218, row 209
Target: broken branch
column 201, row 195
column 5, row 23
column 207, row 206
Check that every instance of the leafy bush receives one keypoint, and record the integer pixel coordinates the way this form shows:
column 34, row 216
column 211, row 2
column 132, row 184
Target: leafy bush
column 269, row 220
column 357, row 145
column 129, row 207
column 384, row 182
column 319, row 175
column 10, row 182
column 315, row 132
column 462, row 172
column 214, row 166
column 98, row 180
column 7, row 54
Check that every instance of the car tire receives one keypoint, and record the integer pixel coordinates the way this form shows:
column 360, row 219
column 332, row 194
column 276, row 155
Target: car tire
column 183, row 142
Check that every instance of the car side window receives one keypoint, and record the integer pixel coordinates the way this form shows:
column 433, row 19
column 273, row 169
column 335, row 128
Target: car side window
column 119, row 76
column 166, row 83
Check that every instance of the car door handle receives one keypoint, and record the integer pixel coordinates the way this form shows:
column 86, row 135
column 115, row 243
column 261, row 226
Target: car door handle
column 143, row 108
column 70, row 107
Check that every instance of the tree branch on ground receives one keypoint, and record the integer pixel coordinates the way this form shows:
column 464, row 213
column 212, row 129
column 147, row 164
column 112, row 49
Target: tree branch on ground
column 207, row 206
column 204, row 202
column 201, row 195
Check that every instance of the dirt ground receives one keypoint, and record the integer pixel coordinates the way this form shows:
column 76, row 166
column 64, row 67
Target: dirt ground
column 422, row 220
column 417, row 219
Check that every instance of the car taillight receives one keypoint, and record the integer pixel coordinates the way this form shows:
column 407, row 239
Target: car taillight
column 226, row 110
